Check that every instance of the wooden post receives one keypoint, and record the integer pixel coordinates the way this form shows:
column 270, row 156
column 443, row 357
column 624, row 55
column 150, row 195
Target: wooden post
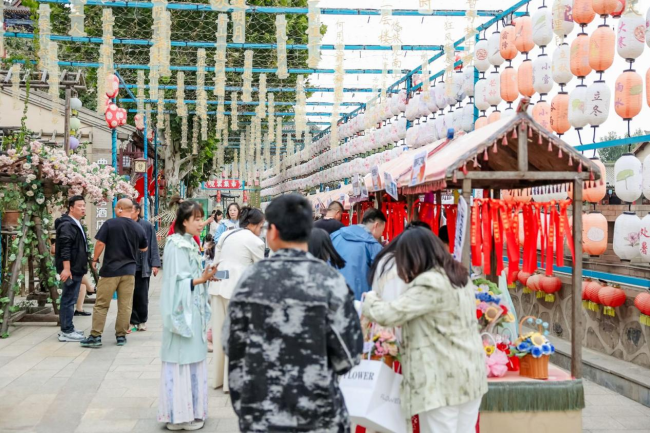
column 15, row 269
column 522, row 148
column 577, row 321
column 467, row 195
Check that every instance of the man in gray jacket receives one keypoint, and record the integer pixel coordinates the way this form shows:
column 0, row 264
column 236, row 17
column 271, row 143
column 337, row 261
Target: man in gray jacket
column 148, row 263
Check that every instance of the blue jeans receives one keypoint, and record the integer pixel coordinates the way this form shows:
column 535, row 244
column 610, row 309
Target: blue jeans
column 69, row 295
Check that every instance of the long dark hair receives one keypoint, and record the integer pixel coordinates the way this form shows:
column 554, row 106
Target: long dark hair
column 418, row 250
column 186, row 210
column 321, row 247
column 250, row 216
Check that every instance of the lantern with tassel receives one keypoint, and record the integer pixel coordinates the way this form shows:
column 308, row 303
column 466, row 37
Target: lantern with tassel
column 494, row 49
column 577, row 107
column 560, row 113
column 611, row 298
column 524, row 34
column 549, row 286
column 629, row 178
column 630, row 35
column 626, row 236
column 598, row 101
column 580, row 66
column 594, row 233
column 601, row 48
column 562, row 17
column 644, row 239
column 591, row 293
column 525, row 78
column 542, row 27
column 642, row 302
column 561, row 65
column 628, row 94
column 542, row 81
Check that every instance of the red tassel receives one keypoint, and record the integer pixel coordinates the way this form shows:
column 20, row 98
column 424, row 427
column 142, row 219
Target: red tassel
column 495, row 149
column 454, row 178
column 559, row 154
column 514, row 133
column 465, row 168
column 550, row 146
column 475, row 162
column 530, row 132
column 601, row 179
column 580, row 168
column 485, row 154
column 539, row 139
column 504, row 142
column 591, row 175
column 570, row 161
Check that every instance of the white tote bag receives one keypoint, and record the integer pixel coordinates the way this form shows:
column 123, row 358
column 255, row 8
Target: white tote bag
column 372, row 396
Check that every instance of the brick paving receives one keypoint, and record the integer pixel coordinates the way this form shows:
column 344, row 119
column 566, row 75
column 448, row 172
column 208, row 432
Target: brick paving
column 48, row 386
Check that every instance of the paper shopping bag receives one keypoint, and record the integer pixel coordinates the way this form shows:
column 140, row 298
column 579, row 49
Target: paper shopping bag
column 372, row 395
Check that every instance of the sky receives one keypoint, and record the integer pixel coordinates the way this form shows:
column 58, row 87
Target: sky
column 431, row 31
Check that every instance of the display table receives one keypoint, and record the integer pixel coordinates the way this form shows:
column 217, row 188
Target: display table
column 514, row 404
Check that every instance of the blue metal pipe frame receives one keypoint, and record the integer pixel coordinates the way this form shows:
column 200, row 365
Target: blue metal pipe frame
column 253, row 103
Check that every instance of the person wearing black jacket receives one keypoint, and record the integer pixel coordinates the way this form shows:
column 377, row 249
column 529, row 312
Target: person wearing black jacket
column 71, row 260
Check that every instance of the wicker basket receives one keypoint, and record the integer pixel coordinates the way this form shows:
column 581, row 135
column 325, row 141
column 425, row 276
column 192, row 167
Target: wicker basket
column 529, row 366
column 388, row 360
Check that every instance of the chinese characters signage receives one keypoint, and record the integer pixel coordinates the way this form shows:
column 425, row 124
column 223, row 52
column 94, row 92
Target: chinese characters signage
column 222, row 184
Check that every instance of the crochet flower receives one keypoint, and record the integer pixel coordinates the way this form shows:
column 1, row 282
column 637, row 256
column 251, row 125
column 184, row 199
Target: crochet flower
column 536, row 352
column 489, row 350
column 524, row 346
column 546, row 349
column 538, row 339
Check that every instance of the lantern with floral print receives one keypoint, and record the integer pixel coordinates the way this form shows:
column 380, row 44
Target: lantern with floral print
column 594, row 190
column 121, row 116
column 629, row 178
column 604, row 7
column 508, row 85
column 611, row 298
column 542, row 114
column 561, row 65
column 578, row 107
column 542, row 27
column 112, row 85
column 630, row 35
column 594, row 233
column 580, row 66
column 601, row 48
column 524, row 34
column 542, row 81
column 628, row 94
column 626, row 236
column 560, row 113
column 598, row 101
column 494, row 49
column 111, row 116
column 644, row 239
column 583, row 12
column 481, row 56
column 562, row 17
column 642, row 302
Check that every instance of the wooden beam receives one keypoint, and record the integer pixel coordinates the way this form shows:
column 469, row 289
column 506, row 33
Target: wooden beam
column 577, row 319
column 522, row 147
column 467, row 195
column 15, row 270
column 550, row 176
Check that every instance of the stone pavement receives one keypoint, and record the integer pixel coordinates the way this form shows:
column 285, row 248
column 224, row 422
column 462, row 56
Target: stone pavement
column 47, row 386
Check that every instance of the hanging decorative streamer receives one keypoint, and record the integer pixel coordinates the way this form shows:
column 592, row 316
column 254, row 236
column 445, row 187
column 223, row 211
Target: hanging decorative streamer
column 470, row 33
column 3, row 54
column 238, row 21
column 15, row 84
column 181, row 108
column 53, row 79
column 221, row 114
column 44, row 31
column 313, row 33
column 183, row 132
column 160, row 50
column 261, row 107
column 267, row 153
column 425, row 77
column 396, row 43
column 271, row 116
column 105, row 58
column 201, row 94
column 140, row 95
column 247, row 76
column 168, row 130
column 220, row 56
column 450, row 57
column 339, row 77
column 281, row 36
column 233, row 111
column 160, row 116
column 278, row 146
column 301, row 106
column 77, row 17
column 195, row 135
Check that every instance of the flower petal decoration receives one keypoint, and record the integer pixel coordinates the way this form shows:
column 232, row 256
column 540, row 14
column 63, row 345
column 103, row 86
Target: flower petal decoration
column 536, row 352
column 538, row 339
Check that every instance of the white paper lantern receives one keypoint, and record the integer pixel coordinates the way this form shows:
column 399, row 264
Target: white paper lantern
column 459, row 81
column 542, row 27
column 431, row 101
column 542, row 82
column 626, row 236
column 646, row 177
column 467, row 122
column 441, row 126
column 644, row 239
column 562, row 17
column 494, row 51
column 481, row 60
column 458, row 119
column 561, row 65
column 449, row 122
column 628, row 174
column 630, row 35
column 578, row 107
column 598, row 101
column 494, row 88
column 468, row 81
column 480, row 98
column 441, row 98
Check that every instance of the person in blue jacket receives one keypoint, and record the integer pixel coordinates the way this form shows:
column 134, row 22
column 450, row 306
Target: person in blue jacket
column 359, row 245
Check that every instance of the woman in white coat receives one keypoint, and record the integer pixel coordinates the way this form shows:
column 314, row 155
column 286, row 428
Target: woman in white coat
column 235, row 251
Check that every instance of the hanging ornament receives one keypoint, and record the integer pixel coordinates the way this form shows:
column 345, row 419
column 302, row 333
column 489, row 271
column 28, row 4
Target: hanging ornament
column 583, row 12
column 494, row 49
column 525, row 78
column 604, row 7
column 620, row 8
column 184, row 132
column 542, row 82
column 44, row 32
column 507, row 47
column 578, row 107
column 139, row 122
column 105, row 57
column 562, row 18
column 580, row 66
column 601, row 48
column 53, row 79
column 560, row 113
column 542, row 114
column 201, row 94
column 468, row 82
column 481, row 56
column 598, row 101
column 630, row 35
column 561, row 65
column 111, row 116
column 542, row 27
column 594, row 233
column 481, row 96
column 626, row 236
column 628, row 94
column 508, row 85
column 594, row 191
column 494, row 89
column 181, row 108
column 234, row 111
column 238, row 21
column 629, row 178
column 524, row 34
column 247, row 77
column 314, row 34
column 220, row 56
column 281, row 36
column 77, row 17
column 271, row 127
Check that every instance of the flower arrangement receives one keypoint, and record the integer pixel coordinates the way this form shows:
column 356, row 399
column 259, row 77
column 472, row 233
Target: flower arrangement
column 384, row 344
column 496, row 358
column 533, row 349
column 490, row 312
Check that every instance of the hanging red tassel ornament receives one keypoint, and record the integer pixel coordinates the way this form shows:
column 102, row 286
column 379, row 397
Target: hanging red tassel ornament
column 475, row 162
column 530, row 132
column 570, row 161
column 539, row 139
column 550, row 146
column 580, row 168
column 475, row 234
column 514, row 133
column 591, row 175
column 495, row 148
column 559, row 154
column 504, row 141
column 485, row 154
column 465, row 168
column 487, row 237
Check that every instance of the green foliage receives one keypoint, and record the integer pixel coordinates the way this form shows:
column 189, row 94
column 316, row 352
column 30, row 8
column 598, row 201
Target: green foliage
column 611, row 154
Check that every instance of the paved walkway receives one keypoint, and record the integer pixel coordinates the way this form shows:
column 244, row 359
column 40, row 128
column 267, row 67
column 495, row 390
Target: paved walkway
column 47, row 386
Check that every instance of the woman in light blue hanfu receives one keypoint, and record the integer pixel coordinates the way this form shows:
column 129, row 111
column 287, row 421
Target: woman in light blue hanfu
column 183, row 402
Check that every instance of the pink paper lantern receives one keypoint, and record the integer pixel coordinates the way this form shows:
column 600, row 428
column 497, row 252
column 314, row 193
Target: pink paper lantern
column 139, row 122
column 111, row 116
column 121, row 116
column 112, row 85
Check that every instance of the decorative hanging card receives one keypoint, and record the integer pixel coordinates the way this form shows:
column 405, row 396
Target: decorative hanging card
column 390, row 185
column 376, row 179
column 356, row 187
column 461, row 229
column 419, row 168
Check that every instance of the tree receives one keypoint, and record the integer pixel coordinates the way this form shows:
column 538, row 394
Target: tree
column 611, row 154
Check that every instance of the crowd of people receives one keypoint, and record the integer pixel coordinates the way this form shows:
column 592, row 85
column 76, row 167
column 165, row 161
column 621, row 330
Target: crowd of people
column 285, row 304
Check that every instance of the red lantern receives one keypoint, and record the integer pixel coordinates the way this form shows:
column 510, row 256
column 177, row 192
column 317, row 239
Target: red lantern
column 642, row 302
column 592, row 290
column 112, row 85
column 513, row 277
column 620, row 8
column 121, row 116
column 594, row 233
column 111, row 116
column 585, row 300
column 523, row 277
column 509, row 87
column 524, row 34
column 604, row 7
column 550, row 286
column 611, row 298
column 533, row 283
column 525, row 78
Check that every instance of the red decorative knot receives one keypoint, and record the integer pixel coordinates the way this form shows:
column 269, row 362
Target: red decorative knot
column 485, row 154
column 475, row 162
column 559, row 154
column 514, row 133
column 504, row 141
column 570, row 161
column 495, row 148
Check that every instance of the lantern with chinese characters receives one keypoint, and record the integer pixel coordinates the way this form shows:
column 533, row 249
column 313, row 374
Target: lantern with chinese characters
column 494, row 88
column 507, row 45
column 583, row 12
column 642, row 302
column 601, row 48
column 630, row 35
column 580, row 66
column 561, row 65
column 111, row 116
column 481, row 97
column 560, row 113
column 563, row 17
column 646, row 177
column 481, row 56
column 594, row 190
column 628, row 175
column 626, row 236
column 644, row 239
column 594, row 233
column 112, row 85
column 494, row 49
column 524, row 34
column 542, row 81
column 508, row 85
column 542, row 114
column 468, row 81
column 577, row 107
column 604, row 7
column 628, row 94
column 598, row 101
column 611, row 298
column 542, row 27
column 525, row 78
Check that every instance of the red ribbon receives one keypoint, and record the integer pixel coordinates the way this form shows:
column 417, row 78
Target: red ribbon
column 450, row 213
column 550, row 237
column 475, row 233
column 513, row 248
column 498, row 236
column 564, row 222
column 487, row 237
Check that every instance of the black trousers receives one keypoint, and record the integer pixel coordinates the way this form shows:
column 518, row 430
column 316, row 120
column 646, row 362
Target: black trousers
column 140, row 311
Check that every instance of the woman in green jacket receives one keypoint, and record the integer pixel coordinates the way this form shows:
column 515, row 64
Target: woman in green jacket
column 183, row 402
column 442, row 354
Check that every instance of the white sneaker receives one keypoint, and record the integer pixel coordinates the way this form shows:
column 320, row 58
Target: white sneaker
column 175, row 427
column 70, row 337
column 197, row 424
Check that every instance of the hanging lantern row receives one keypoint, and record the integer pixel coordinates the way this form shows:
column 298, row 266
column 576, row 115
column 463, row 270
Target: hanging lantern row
column 595, row 294
column 642, row 302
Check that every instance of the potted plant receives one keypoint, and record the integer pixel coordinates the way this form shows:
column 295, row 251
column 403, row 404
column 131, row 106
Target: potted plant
column 10, row 201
